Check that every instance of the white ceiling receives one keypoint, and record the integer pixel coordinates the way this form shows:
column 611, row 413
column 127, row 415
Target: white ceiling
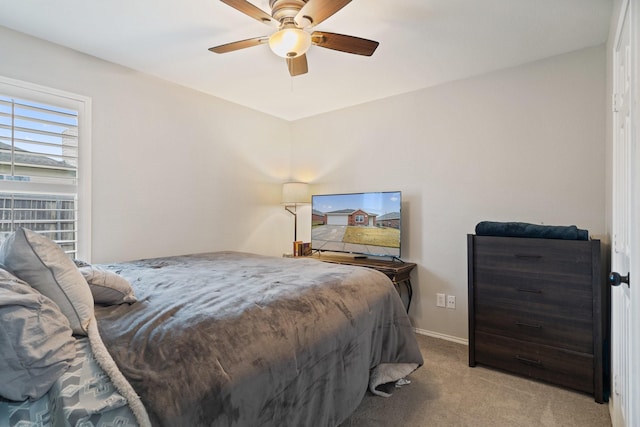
column 422, row 43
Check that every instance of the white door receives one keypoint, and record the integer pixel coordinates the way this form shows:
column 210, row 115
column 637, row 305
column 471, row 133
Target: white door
column 624, row 249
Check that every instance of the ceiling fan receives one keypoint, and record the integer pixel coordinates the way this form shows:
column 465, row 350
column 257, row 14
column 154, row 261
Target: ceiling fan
column 294, row 18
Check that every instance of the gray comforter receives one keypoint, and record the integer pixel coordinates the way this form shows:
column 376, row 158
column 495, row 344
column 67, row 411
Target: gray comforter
column 234, row 339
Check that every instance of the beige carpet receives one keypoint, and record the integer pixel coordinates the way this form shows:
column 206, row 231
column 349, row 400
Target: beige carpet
column 447, row 392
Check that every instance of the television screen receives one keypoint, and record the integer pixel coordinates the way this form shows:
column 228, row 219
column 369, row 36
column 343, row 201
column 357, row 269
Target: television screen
column 359, row 223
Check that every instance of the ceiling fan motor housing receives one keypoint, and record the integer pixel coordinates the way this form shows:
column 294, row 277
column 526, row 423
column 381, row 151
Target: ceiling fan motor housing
column 282, row 9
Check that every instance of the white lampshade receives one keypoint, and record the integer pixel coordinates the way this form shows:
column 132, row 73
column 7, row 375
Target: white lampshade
column 295, row 193
column 290, row 42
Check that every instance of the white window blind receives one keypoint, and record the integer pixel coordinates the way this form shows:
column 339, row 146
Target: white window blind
column 39, row 166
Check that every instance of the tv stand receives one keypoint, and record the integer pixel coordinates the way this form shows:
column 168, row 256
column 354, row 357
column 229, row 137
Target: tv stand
column 395, row 269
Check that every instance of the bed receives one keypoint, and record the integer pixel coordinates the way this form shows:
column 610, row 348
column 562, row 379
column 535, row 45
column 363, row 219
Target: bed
column 238, row 339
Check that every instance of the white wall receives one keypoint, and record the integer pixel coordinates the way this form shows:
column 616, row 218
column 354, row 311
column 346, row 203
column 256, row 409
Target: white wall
column 522, row 144
column 174, row 170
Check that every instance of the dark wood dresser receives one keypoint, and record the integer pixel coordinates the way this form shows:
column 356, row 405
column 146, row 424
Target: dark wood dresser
column 539, row 308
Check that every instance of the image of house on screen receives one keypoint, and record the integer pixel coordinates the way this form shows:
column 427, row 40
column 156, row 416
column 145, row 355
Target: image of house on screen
column 391, row 220
column 318, row 218
column 350, row 217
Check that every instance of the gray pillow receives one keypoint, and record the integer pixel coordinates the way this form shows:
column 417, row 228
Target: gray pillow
column 43, row 264
column 106, row 286
column 36, row 343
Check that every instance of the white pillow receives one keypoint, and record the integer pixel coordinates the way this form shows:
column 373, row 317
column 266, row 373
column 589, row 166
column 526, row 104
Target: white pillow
column 106, row 286
column 43, row 264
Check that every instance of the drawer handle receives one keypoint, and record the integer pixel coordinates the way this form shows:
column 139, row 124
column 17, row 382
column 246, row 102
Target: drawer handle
column 529, row 325
column 525, row 256
column 529, row 361
column 532, row 291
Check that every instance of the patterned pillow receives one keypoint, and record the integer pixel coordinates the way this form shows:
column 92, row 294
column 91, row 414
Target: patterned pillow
column 43, row 264
column 106, row 286
column 36, row 343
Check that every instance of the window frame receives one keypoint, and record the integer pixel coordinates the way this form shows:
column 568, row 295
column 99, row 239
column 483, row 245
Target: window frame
column 81, row 104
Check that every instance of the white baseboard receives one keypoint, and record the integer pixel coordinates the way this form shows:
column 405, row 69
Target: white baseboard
column 441, row 336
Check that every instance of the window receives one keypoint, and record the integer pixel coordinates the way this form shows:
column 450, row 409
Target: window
column 43, row 137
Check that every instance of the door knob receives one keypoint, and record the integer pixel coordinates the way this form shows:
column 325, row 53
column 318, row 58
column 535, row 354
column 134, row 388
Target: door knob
column 615, row 279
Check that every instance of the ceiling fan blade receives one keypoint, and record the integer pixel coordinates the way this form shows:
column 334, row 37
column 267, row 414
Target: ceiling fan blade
column 297, row 65
column 252, row 11
column 316, row 11
column 242, row 44
column 344, row 43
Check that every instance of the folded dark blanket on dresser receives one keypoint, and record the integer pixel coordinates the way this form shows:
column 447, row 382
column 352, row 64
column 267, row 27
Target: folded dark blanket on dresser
column 523, row 229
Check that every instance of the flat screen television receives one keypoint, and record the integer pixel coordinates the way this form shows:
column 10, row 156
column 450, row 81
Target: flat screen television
column 359, row 223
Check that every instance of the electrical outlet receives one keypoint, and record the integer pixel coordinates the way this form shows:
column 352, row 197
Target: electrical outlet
column 451, row 301
column 440, row 300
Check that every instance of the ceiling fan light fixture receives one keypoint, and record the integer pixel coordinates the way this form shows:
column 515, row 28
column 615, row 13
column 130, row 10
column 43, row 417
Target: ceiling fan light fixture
column 290, row 42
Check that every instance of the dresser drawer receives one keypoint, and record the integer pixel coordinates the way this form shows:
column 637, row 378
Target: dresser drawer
column 567, row 368
column 536, row 256
column 557, row 328
column 545, row 291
